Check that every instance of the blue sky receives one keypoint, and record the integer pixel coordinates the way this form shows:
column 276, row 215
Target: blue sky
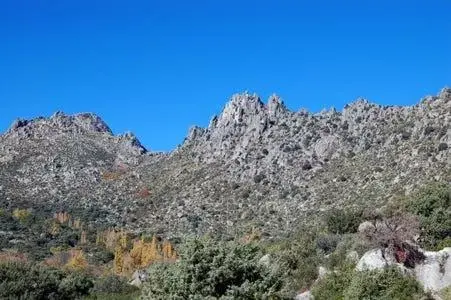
column 158, row 67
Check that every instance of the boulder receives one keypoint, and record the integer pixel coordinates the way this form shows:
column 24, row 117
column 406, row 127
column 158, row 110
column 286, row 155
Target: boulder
column 372, row 260
column 435, row 272
column 138, row 278
column 366, row 227
column 307, row 295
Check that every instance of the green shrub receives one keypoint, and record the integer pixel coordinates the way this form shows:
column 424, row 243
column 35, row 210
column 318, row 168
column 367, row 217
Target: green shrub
column 430, row 198
column 114, row 296
column 433, row 205
column 298, row 257
column 74, row 285
column 445, row 243
column 112, row 284
column 446, row 293
column 333, row 285
column 327, row 243
column 384, row 285
column 212, row 270
column 99, row 255
column 340, row 258
column 26, row 281
column 340, row 221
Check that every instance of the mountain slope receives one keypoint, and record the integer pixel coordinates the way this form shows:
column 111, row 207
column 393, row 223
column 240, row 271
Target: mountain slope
column 255, row 166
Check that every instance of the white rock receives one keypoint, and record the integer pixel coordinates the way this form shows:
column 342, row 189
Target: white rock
column 322, row 272
column 265, row 260
column 372, row 260
column 366, row 227
column 138, row 278
column 304, row 296
column 327, row 146
column 435, row 272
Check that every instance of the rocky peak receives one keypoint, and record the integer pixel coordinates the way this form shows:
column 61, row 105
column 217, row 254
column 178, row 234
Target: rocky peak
column 276, row 107
column 132, row 143
column 85, row 121
column 361, row 104
column 18, row 123
column 254, row 163
column 359, row 110
column 246, row 126
column 327, row 113
column 73, row 128
column 195, row 132
column 59, row 122
column 445, row 93
column 240, row 108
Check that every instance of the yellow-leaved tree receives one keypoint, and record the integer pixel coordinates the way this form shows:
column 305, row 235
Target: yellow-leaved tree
column 77, row 260
column 120, row 250
column 21, row 214
column 142, row 254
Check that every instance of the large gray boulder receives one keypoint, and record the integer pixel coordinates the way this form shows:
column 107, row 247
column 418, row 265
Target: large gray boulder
column 435, row 272
column 372, row 260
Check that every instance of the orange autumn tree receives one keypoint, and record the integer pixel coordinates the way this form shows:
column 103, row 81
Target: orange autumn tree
column 73, row 259
column 129, row 255
column 169, row 253
column 120, row 250
column 77, row 260
column 142, row 254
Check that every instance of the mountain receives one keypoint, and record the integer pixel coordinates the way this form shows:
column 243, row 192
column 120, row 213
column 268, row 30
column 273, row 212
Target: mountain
column 256, row 165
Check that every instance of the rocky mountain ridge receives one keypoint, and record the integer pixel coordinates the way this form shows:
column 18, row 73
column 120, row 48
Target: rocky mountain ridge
column 255, row 166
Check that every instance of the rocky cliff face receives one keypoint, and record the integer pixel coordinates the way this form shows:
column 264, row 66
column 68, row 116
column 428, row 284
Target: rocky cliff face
column 256, row 165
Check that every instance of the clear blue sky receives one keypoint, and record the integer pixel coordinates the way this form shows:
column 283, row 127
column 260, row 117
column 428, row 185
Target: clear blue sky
column 158, row 67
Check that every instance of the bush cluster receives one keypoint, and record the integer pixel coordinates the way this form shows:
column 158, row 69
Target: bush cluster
column 27, row 281
column 113, row 287
column 340, row 221
column 299, row 259
column 433, row 206
column 384, row 284
column 213, row 270
column 387, row 284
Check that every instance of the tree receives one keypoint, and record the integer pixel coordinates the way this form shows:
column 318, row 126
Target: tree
column 433, row 206
column 213, row 270
column 391, row 231
column 343, row 221
column 27, row 281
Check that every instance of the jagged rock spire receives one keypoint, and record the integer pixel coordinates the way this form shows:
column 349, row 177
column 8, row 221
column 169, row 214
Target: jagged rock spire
column 276, row 106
